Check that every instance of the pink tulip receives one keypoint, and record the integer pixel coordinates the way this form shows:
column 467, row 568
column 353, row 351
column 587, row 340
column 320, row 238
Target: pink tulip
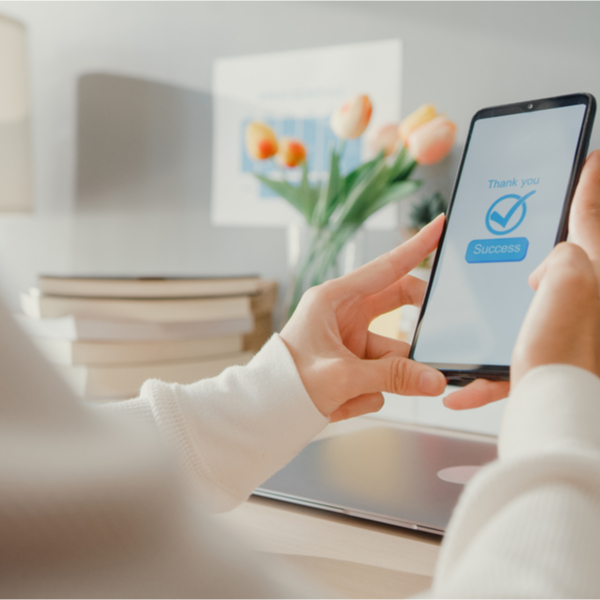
column 431, row 142
column 351, row 119
column 386, row 138
column 291, row 152
column 261, row 142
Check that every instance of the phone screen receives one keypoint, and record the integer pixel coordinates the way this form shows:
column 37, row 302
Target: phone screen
column 507, row 210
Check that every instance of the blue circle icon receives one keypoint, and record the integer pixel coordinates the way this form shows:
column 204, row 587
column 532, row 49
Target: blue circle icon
column 499, row 218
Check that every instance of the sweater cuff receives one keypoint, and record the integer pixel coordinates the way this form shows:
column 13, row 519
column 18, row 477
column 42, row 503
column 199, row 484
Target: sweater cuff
column 283, row 395
column 234, row 431
column 552, row 407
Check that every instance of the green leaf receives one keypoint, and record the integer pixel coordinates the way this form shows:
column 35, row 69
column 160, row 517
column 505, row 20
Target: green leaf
column 354, row 177
column 329, row 194
column 307, row 195
column 362, row 185
column 394, row 193
column 303, row 198
column 346, row 185
column 375, row 184
column 402, row 166
column 369, row 187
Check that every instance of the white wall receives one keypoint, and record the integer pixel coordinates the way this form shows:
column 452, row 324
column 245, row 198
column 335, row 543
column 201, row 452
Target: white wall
column 462, row 56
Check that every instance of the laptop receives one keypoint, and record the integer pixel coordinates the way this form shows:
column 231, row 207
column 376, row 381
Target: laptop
column 407, row 477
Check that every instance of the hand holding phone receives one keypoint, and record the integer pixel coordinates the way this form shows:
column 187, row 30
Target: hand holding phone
column 563, row 308
column 509, row 208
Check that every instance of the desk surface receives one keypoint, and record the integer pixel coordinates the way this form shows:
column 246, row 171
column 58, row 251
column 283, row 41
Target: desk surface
column 355, row 557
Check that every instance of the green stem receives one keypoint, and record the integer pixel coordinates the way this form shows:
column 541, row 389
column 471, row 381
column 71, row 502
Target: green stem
column 331, row 252
column 324, row 261
column 306, row 263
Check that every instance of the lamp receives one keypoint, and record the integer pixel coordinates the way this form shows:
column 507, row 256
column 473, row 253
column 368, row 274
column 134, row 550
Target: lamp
column 16, row 190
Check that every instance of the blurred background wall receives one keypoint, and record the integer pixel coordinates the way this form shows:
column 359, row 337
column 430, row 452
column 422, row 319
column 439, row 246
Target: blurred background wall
column 92, row 64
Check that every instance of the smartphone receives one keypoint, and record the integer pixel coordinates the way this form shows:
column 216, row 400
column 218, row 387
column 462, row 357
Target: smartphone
column 509, row 208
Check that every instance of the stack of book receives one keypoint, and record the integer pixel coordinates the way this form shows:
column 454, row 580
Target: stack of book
column 108, row 335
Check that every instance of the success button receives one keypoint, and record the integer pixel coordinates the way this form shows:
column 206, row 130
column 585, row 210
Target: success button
column 505, row 250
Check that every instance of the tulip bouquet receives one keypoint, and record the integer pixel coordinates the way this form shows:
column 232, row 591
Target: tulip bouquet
column 336, row 207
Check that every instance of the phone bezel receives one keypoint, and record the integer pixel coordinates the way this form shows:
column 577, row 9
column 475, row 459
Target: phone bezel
column 463, row 374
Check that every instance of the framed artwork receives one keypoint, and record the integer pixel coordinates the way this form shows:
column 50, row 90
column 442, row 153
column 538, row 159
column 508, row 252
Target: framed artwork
column 295, row 93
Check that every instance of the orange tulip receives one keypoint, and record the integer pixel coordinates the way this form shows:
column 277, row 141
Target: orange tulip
column 419, row 117
column 386, row 139
column 351, row 119
column 261, row 142
column 431, row 142
column 291, row 152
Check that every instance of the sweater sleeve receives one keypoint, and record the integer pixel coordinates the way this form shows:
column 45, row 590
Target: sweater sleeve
column 232, row 432
column 528, row 525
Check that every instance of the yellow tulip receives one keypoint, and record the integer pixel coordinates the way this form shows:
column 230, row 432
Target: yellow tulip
column 351, row 119
column 433, row 141
column 261, row 142
column 291, row 152
column 386, row 139
column 422, row 115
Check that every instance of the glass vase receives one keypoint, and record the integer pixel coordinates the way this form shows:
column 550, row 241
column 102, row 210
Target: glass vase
column 316, row 255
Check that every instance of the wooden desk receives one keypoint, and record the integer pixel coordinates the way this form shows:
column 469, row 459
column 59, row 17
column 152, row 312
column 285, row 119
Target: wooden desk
column 354, row 557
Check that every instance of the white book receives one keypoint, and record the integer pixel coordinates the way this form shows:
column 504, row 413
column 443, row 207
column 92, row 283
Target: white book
column 105, row 382
column 78, row 328
column 171, row 310
column 147, row 287
column 66, row 352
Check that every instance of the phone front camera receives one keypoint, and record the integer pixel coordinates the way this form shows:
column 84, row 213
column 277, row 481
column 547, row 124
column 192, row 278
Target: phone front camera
column 529, row 106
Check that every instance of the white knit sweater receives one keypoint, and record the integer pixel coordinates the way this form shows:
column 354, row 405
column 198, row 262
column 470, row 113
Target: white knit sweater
column 90, row 506
column 232, row 432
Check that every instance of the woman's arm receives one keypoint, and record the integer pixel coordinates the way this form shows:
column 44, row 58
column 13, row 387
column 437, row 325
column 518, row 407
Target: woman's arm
column 232, row 432
column 529, row 524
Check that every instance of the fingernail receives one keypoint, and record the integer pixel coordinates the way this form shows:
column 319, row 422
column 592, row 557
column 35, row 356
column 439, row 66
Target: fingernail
column 430, row 383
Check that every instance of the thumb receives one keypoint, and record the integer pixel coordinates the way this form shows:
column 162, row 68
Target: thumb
column 398, row 375
column 565, row 308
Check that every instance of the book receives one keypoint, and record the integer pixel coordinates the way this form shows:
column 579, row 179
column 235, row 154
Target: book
column 262, row 305
column 113, row 382
column 67, row 352
column 265, row 299
column 147, row 287
column 263, row 329
column 172, row 310
column 80, row 328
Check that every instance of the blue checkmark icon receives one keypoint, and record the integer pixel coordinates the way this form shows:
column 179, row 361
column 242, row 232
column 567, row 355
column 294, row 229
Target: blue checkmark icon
column 493, row 215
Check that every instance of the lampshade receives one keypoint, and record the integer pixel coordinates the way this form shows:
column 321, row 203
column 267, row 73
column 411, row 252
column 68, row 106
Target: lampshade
column 16, row 188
